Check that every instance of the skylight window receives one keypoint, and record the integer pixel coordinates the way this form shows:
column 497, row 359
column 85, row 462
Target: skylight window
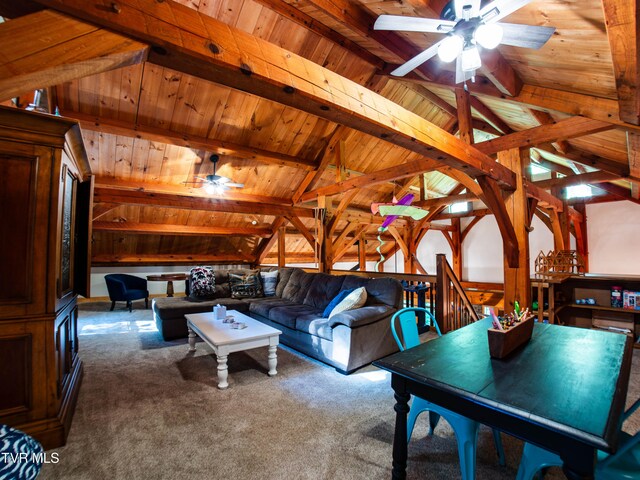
column 537, row 169
column 459, row 207
column 579, row 191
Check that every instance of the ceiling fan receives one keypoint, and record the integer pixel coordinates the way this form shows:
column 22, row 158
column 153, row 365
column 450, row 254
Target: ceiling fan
column 216, row 183
column 467, row 24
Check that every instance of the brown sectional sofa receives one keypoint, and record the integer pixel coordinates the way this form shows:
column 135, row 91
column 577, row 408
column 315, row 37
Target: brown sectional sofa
column 347, row 341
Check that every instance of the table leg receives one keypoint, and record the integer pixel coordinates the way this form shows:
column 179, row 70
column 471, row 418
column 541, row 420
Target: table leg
column 401, row 407
column 169, row 288
column 223, row 372
column 579, row 463
column 273, row 360
column 192, row 339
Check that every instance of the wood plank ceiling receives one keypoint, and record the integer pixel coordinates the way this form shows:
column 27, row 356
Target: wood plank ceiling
column 150, row 130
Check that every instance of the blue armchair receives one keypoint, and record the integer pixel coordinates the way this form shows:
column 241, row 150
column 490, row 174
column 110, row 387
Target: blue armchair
column 126, row 288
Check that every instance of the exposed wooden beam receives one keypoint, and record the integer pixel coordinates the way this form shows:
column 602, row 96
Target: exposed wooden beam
column 465, row 121
column 401, row 243
column 298, row 16
column 381, row 176
column 481, row 212
column 170, row 200
column 568, row 128
column 265, row 245
column 161, row 135
column 474, row 221
column 623, row 31
column 544, row 118
column 180, row 230
column 153, row 187
column 489, row 115
column 49, row 48
column 464, row 179
column 168, row 259
column 101, row 209
column 545, row 199
column 194, row 43
column 448, row 200
column 340, row 209
column 312, row 178
column 595, row 161
column 538, row 159
column 349, row 242
column 301, row 227
column 633, row 152
column 618, row 191
column 582, row 179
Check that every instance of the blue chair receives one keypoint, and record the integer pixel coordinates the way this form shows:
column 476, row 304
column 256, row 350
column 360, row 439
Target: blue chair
column 126, row 288
column 466, row 430
column 624, row 464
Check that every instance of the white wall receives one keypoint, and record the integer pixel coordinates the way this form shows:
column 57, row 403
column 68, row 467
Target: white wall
column 613, row 234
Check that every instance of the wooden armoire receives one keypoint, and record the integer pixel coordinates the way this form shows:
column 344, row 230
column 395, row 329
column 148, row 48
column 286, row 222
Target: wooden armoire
column 45, row 238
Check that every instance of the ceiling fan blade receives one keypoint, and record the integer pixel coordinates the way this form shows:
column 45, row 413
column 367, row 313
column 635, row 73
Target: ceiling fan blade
column 236, row 185
column 499, row 9
column 461, row 4
column 527, row 36
column 416, row 61
column 412, row 24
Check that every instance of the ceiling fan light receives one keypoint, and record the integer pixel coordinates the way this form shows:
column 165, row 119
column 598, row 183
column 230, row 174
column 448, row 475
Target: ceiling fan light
column 470, row 60
column 450, row 48
column 210, row 188
column 488, row 36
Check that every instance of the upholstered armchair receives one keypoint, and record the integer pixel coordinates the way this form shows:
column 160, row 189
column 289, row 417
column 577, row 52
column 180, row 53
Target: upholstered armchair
column 126, row 288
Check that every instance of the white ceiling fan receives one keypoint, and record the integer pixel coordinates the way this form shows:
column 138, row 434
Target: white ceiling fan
column 216, row 183
column 467, row 25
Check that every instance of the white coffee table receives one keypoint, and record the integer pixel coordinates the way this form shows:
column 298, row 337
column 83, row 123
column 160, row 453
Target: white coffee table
column 225, row 340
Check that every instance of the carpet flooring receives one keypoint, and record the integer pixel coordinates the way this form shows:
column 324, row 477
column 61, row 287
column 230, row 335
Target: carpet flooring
column 148, row 409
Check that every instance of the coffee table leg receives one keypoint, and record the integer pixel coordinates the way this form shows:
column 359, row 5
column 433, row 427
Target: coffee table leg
column 273, row 360
column 192, row 339
column 223, row 372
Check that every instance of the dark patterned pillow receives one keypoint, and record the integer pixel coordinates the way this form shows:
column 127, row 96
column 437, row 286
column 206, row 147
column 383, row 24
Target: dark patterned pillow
column 14, row 443
column 247, row 285
column 202, row 284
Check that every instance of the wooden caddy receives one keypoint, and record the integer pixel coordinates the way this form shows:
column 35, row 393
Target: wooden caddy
column 503, row 342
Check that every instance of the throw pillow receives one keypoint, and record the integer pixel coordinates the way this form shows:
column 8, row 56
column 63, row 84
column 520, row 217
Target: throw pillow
column 245, row 285
column 202, row 284
column 269, row 281
column 335, row 301
column 355, row 299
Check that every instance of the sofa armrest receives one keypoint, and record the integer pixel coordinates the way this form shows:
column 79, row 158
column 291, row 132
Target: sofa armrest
column 362, row 316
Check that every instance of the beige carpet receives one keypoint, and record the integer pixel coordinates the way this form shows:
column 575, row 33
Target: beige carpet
column 150, row 410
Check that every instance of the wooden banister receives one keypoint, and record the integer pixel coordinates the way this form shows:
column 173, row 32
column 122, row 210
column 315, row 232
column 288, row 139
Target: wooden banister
column 453, row 308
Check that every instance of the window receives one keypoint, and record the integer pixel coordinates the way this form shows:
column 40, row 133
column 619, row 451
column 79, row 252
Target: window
column 459, row 207
column 579, row 191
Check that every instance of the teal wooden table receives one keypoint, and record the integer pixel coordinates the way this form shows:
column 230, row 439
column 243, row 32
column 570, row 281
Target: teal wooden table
column 564, row 391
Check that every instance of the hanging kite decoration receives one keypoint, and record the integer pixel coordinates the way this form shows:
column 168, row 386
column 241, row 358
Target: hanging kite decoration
column 392, row 211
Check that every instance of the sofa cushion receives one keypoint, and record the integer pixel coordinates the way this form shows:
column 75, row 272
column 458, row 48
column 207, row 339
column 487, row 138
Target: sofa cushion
column 361, row 316
column 355, row 299
column 246, row 284
column 262, row 306
column 269, row 282
column 298, row 286
column 287, row 315
column 353, row 281
column 323, row 288
column 201, row 283
column 314, row 325
column 284, row 274
column 387, row 291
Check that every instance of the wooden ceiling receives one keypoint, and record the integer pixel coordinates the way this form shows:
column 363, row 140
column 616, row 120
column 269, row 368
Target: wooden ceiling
column 155, row 99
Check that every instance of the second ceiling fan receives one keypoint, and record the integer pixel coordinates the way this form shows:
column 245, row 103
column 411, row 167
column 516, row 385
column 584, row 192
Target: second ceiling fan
column 467, row 24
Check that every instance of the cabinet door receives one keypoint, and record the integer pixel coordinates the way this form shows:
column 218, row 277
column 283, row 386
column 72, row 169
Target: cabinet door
column 65, row 244
column 25, row 179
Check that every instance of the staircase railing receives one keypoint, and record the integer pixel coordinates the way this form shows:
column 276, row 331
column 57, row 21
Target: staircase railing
column 453, row 308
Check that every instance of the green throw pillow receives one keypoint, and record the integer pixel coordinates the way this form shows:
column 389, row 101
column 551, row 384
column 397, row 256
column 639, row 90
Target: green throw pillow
column 247, row 285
